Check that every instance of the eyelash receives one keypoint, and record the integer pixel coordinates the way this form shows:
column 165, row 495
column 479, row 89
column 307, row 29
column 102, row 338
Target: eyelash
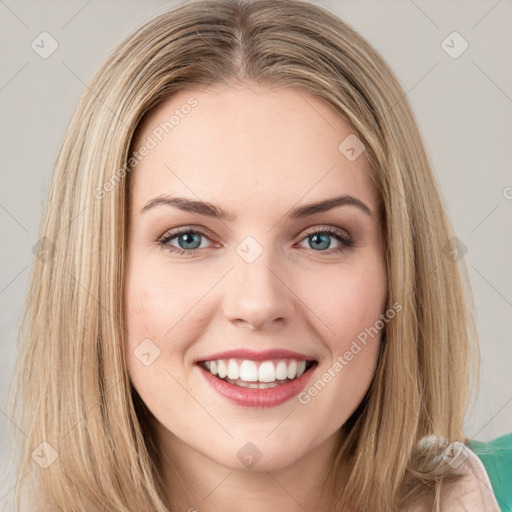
column 346, row 242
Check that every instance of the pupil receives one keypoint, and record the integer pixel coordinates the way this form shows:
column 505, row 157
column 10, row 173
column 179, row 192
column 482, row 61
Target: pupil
column 188, row 237
column 325, row 239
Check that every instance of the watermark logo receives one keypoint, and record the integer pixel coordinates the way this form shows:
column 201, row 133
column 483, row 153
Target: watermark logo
column 45, row 455
column 455, row 454
column 249, row 249
column 454, row 45
column 44, row 249
column 44, row 45
column 146, row 352
column 249, row 455
column 351, row 147
column 454, row 249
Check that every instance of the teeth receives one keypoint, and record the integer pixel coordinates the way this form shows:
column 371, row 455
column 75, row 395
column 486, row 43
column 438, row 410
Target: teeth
column 292, row 369
column 254, row 385
column 301, row 367
column 267, row 372
column 233, row 370
column 221, row 368
column 281, row 371
column 247, row 373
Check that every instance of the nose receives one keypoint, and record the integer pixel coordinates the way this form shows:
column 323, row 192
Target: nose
column 259, row 294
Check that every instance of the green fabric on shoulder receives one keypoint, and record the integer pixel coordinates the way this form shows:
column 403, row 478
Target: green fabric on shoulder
column 496, row 456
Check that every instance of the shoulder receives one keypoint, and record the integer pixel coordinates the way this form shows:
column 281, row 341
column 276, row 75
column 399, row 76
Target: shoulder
column 496, row 458
column 485, row 483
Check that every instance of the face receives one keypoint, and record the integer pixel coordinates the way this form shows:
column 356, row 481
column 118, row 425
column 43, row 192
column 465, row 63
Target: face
column 270, row 296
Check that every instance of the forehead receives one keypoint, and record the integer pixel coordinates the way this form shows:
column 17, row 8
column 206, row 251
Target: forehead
column 247, row 143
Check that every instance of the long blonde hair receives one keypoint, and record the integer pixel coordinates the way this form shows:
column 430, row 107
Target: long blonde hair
column 71, row 388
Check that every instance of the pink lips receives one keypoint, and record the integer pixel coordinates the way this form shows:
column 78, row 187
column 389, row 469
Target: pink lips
column 255, row 397
column 249, row 397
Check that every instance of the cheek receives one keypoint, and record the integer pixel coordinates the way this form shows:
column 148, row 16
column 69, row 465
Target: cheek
column 169, row 309
column 350, row 305
column 159, row 302
column 153, row 310
column 347, row 301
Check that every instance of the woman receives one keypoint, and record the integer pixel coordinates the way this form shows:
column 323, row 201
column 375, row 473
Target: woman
column 246, row 297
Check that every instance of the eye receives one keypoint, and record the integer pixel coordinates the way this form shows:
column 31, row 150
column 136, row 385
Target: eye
column 190, row 240
column 319, row 239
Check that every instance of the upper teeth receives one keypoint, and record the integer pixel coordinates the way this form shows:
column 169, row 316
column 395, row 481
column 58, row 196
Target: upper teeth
column 249, row 371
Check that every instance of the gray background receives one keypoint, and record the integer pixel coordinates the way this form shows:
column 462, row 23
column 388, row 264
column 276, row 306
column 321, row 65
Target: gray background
column 463, row 107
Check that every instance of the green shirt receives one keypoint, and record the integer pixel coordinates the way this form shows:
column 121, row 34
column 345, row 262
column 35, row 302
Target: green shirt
column 496, row 456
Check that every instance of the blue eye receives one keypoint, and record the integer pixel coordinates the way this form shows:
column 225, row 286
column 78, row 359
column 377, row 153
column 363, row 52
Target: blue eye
column 189, row 240
column 321, row 239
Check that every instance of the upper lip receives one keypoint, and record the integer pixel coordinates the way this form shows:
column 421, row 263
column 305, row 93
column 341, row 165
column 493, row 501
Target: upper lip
column 262, row 355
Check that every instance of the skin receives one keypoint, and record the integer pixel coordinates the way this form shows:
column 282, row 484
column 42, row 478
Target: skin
column 257, row 153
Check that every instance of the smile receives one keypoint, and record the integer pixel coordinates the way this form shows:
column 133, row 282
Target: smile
column 257, row 374
column 260, row 381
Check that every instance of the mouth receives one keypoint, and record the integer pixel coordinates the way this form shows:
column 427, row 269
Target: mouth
column 266, row 374
column 251, row 379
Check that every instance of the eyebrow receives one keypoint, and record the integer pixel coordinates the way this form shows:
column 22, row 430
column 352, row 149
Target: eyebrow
column 211, row 210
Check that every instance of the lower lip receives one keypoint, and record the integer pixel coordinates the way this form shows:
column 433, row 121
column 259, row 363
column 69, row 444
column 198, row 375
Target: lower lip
column 255, row 397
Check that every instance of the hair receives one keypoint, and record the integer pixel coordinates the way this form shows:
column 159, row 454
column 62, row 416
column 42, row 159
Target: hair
column 71, row 387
